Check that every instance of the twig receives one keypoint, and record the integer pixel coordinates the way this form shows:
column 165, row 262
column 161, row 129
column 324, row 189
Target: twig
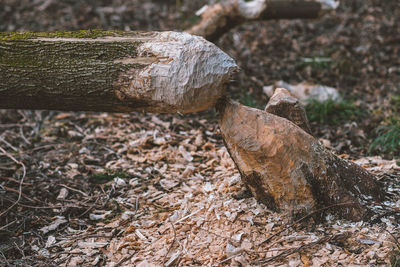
column 109, row 195
column 73, row 189
column 17, row 191
column 71, row 253
column 305, row 217
column 49, row 207
column 388, row 213
column 123, row 260
column 68, row 260
column 5, row 259
column 20, row 250
column 279, row 249
column 12, row 125
column 183, row 218
column 89, row 209
column 8, row 144
column 20, row 183
column 386, row 206
column 298, row 249
column 232, row 256
column 278, row 241
column 46, row 146
column 13, row 180
column 86, row 235
column 395, row 239
column 100, row 144
column 136, row 205
column 393, row 211
column 172, row 244
column 5, row 226
column 23, row 136
column 187, row 216
column 24, row 118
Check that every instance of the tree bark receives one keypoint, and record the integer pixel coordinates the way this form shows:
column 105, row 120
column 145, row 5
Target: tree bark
column 221, row 17
column 288, row 170
column 113, row 71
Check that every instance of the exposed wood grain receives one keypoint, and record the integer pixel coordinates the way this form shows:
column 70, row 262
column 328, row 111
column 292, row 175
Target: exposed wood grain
column 289, row 170
column 162, row 72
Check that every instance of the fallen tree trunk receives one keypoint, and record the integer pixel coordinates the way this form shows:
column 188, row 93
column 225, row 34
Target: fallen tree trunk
column 289, row 170
column 111, row 71
column 221, row 17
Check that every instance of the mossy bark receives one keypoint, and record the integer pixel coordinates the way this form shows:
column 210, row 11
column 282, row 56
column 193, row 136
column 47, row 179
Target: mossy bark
column 106, row 71
column 49, row 73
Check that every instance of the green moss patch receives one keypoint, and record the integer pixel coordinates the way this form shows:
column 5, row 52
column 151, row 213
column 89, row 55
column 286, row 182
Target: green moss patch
column 91, row 34
column 109, row 175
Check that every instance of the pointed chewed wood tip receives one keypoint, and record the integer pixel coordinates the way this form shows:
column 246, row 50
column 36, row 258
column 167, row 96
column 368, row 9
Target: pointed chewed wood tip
column 188, row 74
column 284, row 104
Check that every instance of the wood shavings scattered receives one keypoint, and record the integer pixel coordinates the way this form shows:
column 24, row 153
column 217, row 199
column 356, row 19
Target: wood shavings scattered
column 164, row 203
column 54, row 225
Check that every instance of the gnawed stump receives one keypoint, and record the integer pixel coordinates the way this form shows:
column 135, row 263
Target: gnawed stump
column 282, row 103
column 287, row 169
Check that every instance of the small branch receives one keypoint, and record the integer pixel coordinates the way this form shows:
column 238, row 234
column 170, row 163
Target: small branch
column 136, row 205
column 291, row 251
column 14, row 180
column 17, row 191
column 5, row 226
column 23, row 136
column 20, row 183
column 172, row 244
column 75, row 190
column 8, row 144
column 394, row 238
column 49, row 207
column 125, row 259
column 5, row 259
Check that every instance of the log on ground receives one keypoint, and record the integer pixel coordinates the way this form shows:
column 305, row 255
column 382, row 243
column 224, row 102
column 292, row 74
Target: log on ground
column 223, row 16
column 112, row 71
column 288, row 170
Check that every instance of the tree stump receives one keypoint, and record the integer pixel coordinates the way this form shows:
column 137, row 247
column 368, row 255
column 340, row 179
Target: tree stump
column 287, row 169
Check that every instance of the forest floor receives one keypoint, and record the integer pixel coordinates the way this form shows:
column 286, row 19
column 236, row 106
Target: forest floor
column 100, row 189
